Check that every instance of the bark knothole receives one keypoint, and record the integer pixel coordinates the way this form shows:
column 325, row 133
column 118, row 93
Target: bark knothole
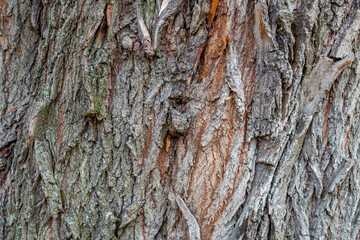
column 127, row 43
column 179, row 122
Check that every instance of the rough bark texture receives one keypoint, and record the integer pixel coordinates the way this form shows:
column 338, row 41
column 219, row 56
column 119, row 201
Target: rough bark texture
column 179, row 119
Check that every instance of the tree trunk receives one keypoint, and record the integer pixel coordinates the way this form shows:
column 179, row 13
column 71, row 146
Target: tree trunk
column 179, row 119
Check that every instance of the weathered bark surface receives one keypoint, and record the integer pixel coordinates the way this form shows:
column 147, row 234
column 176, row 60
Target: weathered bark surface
column 179, row 119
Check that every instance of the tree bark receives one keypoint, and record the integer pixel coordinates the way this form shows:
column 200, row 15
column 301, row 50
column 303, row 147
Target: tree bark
column 179, row 119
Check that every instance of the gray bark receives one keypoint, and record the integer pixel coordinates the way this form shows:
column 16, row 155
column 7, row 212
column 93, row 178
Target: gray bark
column 180, row 119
